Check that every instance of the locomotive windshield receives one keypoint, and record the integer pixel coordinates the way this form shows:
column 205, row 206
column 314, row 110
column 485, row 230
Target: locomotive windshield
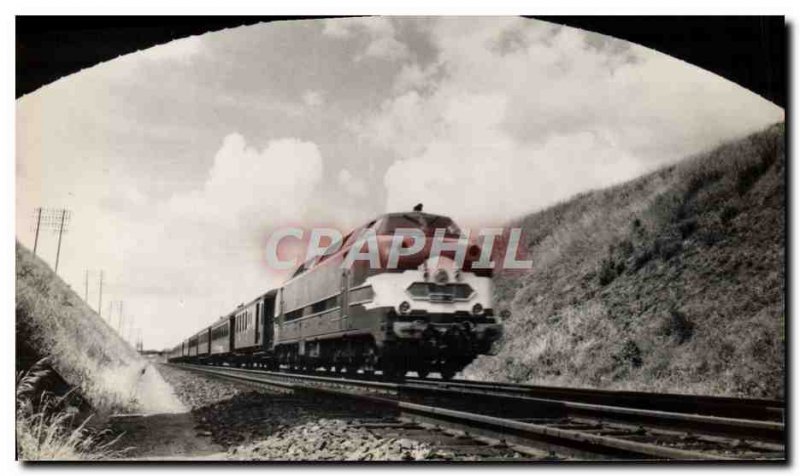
column 427, row 223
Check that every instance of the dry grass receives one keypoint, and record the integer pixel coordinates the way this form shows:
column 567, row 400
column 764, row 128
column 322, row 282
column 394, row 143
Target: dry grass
column 47, row 429
column 671, row 282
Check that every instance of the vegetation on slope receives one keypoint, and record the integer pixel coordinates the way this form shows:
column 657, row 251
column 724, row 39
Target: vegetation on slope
column 46, row 425
column 70, row 365
column 671, row 282
column 54, row 322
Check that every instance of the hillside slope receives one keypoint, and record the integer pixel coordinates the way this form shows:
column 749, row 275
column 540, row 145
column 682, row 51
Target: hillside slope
column 671, row 282
column 53, row 321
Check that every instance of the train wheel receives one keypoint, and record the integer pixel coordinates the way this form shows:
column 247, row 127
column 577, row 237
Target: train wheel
column 423, row 370
column 370, row 361
column 448, row 371
column 394, row 372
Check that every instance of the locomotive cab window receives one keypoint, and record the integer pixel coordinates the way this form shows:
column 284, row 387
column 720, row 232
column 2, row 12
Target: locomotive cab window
column 335, row 247
column 304, row 267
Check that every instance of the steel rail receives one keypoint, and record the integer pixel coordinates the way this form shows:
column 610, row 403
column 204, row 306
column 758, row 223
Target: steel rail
column 750, row 408
column 673, row 420
column 506, row 429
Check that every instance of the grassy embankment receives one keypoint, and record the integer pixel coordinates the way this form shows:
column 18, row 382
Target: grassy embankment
column 84, row 354
column 671, row 282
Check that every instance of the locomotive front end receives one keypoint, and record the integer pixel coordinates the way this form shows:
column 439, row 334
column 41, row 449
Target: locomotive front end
column 438, row 306
column 404, row 292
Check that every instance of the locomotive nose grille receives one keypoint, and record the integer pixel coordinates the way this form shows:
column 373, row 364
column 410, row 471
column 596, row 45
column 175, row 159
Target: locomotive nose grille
column 441, row 292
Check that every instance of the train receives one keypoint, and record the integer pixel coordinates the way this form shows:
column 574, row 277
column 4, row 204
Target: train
column 429, row 312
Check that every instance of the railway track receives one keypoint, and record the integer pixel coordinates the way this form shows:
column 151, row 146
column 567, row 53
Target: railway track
column 560, row 422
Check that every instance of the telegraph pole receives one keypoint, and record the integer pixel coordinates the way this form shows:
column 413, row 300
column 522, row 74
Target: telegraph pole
column 38, row 223
column 60, row 233
column 86, row 287
column 56, row 219
column 100, row 298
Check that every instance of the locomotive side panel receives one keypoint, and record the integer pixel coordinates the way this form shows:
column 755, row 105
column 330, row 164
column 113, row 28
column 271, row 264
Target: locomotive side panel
column 324, row 283
column 311, row 303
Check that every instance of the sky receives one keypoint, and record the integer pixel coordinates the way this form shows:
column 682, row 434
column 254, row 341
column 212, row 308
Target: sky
column 177, row 162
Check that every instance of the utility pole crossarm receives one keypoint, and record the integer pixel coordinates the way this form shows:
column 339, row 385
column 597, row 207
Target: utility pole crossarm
column 56, row 219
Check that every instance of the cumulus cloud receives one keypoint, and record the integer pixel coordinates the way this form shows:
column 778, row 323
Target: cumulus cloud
column 477, row 172
column 381, row 34
column 352, row 184
column 272, row 184
column 515, row 115
column 348, row 27
column 385, row 48
column 206, row 247
column 177, row 50
column 313, row 98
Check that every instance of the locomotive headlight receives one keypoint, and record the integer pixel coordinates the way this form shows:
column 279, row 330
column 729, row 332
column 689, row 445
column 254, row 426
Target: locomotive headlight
column 404, row 307
column 441, row 276
column 477, row 309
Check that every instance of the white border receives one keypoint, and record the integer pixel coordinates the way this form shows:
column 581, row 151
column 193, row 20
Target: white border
column 320, row 7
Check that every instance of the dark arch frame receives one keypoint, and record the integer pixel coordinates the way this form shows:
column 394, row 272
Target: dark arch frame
column 750, row 51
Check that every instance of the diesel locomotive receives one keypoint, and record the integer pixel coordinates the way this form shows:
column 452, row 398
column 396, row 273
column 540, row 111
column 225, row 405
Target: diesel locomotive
column 425, row 311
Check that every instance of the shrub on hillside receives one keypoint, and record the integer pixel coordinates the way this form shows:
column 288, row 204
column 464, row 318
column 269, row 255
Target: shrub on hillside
column 728, row 213
column 677, row 325
column 629, row 354
column 607, row 272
